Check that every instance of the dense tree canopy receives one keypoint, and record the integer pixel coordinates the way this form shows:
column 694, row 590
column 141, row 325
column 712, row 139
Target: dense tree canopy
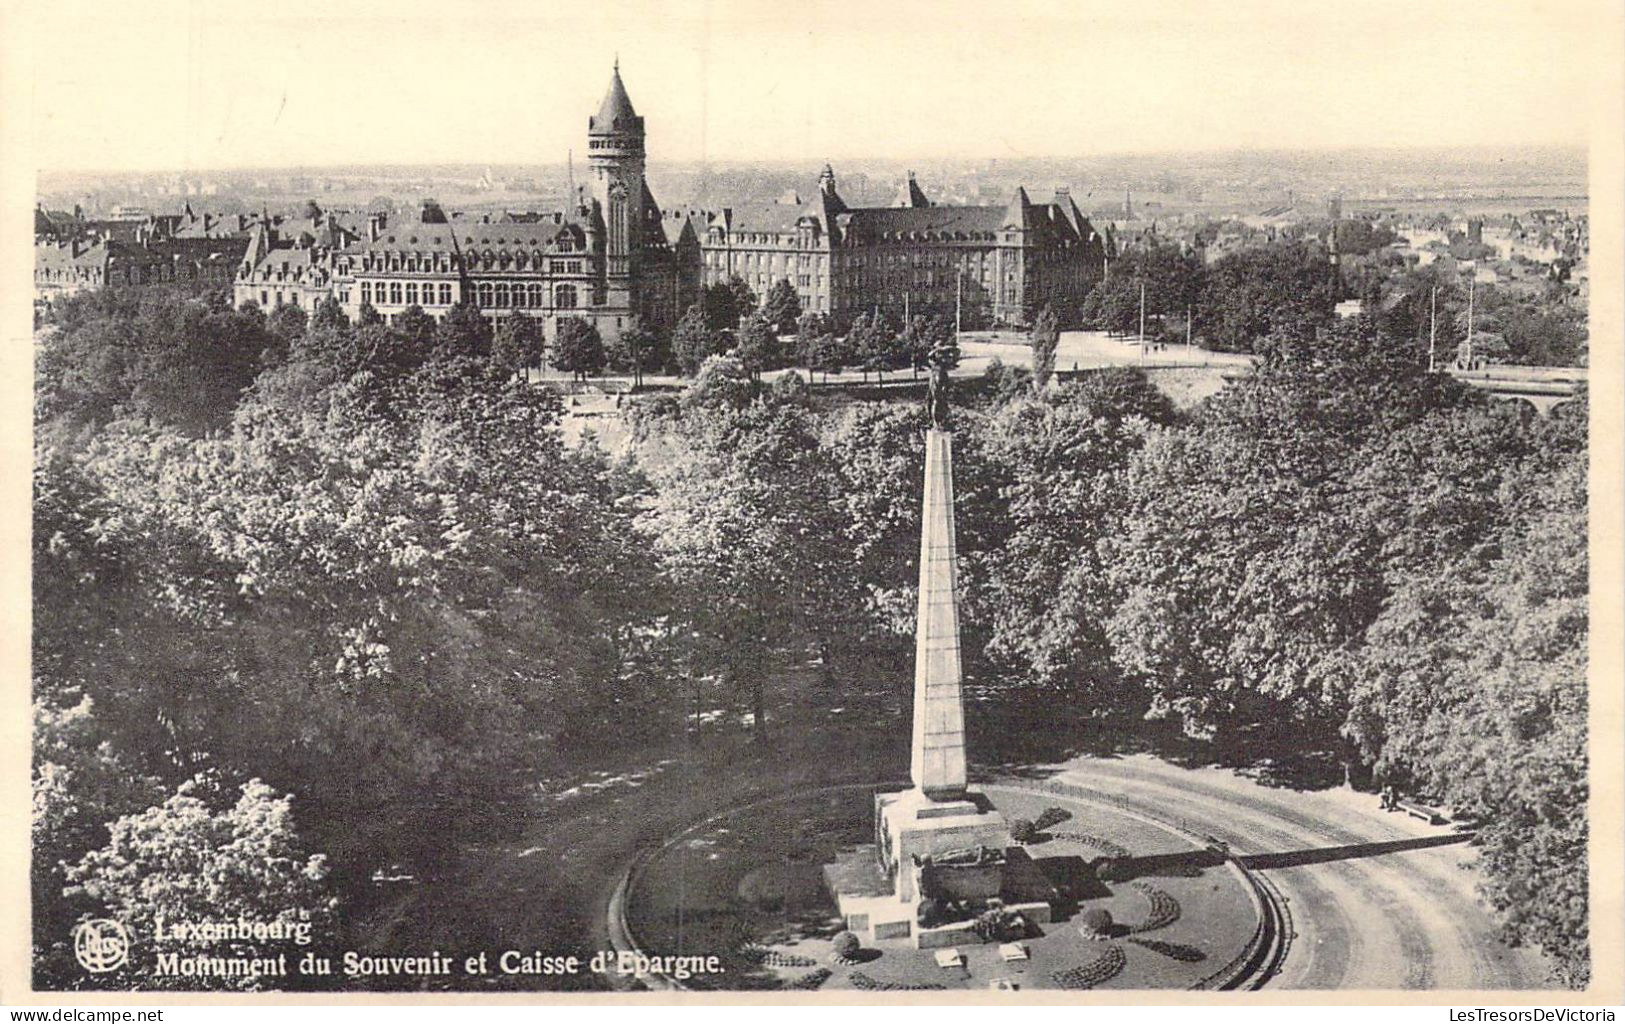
column 301, row 613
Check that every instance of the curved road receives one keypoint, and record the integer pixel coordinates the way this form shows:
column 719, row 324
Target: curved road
column 1391, row 917
column 1386, row 917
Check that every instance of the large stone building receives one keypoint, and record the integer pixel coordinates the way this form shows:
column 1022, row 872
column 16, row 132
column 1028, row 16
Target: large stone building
column 66, row 267
column 999, row 264
column 614, row 256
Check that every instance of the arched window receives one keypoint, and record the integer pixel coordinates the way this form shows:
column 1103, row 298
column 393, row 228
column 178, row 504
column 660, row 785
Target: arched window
column 445, row 295
column 519, row 295
column 395, row 292
column 502, row 295
column 485, row 293
column 565, row 297
column 411, row 293
column 538, row 296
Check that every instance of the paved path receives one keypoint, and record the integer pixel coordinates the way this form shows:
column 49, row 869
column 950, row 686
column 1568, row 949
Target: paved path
column 1400, row 919
column 1383, row 918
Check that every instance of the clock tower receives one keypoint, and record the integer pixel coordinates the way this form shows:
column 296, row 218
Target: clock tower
column 615, row 155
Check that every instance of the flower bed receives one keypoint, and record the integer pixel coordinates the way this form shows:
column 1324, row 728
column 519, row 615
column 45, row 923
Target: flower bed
column 1164, row 908
column 1102, row 968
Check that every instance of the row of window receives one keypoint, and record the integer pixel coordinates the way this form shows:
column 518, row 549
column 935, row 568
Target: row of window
column 442, row 263
column 407, row 293
column 501, row 295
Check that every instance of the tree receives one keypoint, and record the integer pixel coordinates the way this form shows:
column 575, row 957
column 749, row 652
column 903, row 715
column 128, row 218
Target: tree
column 757, row 347
column 1250, row 292
column 580, row 348
column 828, row 352
column 420, row 336
column 519, row 343
column 744, row 300
column 693, row 341
column 177, row 359
column 809, row 326
column 1471, row 687
column 919, row 338
column 782, row 307
column 1113, row 305
column 635, row 351
column 873, row 344
column 329, row 314
column 746, row 529
column 1045, row 337
column 463, row 333
column 287, row 322
column 727, row 303
column 185, row 861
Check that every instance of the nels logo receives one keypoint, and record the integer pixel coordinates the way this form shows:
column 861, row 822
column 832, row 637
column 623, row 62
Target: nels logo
column 101, row 945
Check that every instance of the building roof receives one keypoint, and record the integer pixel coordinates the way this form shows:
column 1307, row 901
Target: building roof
column 883, row 223
column 615, row 113
column 674, row 225
column 417, row 237
column 771, row 218
column 61, row 256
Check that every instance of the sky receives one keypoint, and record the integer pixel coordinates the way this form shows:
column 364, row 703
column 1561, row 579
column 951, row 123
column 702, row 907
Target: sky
column 167, row 85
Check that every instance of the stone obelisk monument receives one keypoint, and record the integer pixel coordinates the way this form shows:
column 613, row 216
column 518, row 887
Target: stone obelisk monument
column 940, row 815
column 938, row 753
column 939, row 840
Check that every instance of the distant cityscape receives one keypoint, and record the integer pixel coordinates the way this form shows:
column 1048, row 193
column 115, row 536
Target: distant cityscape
column 977, row 238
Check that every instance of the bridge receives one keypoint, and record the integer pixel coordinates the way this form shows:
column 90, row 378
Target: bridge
column 1542, row 386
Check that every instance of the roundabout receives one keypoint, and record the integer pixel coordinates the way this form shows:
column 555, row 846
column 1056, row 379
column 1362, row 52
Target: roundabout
column 747, row 886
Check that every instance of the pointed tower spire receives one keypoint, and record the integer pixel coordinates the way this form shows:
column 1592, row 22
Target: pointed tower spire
column 909, row 194
column 616, row 111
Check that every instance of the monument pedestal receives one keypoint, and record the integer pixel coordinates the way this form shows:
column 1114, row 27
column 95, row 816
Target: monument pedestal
column 909, row 827
column 952, row 851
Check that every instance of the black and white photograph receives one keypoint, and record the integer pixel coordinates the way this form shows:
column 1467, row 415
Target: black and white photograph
column 816, row 501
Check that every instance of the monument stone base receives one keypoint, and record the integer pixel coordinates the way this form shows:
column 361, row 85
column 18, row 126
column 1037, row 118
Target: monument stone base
column 910, row 826
column 958, row 850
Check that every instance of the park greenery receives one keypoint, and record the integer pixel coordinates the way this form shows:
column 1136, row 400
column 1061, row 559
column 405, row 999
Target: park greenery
column 308, row 593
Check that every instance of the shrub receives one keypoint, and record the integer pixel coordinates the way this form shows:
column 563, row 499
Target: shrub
column 1023, row 831
column 809, row 981
column 846, row 945
column 1097, row 921
column 1050, row 816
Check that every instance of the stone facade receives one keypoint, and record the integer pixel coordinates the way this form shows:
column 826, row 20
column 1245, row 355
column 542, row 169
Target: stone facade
column 613, row 257
column 63, row 268
column 998, row 264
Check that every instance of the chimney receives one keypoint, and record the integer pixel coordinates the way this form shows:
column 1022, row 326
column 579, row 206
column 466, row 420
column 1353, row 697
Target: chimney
column 375, row 226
